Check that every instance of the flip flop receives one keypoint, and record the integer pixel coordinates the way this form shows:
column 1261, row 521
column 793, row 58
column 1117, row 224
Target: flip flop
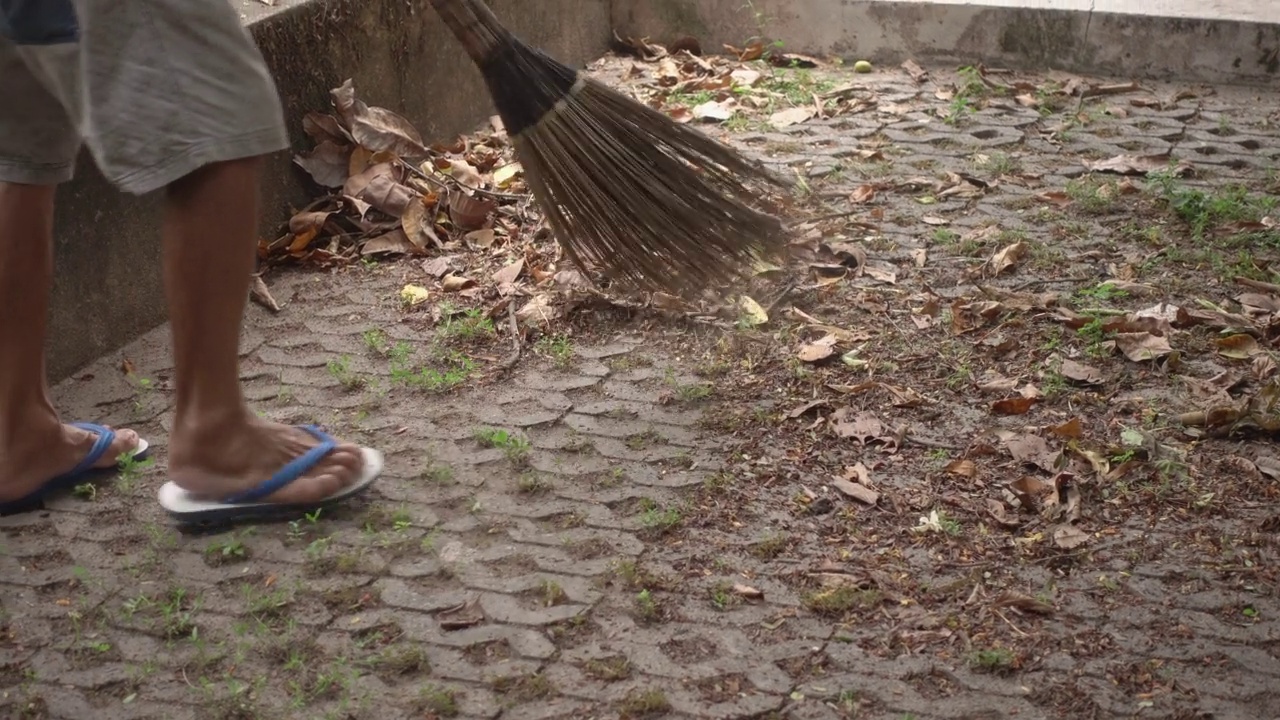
column 188, row 509
column 81, row 473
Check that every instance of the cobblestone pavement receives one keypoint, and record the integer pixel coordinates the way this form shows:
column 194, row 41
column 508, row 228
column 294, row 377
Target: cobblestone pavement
column 595, row 560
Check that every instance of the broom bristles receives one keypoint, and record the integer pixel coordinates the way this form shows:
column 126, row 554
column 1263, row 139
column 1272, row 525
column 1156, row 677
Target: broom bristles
column 625, row 188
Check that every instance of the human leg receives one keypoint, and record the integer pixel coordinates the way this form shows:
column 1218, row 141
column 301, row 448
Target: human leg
column 177, row 97
column 37, row 148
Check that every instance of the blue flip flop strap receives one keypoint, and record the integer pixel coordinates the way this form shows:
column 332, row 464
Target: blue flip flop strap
column 106, row 436
column 290, row 472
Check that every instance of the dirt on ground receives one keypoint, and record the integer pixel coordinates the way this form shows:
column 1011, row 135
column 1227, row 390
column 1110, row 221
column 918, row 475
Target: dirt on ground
column 995, row 443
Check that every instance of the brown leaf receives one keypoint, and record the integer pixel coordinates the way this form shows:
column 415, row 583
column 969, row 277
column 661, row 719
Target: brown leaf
column 1007, row 257
column 539, row 309
column 480, row 238
column 1263, row 367
column 469, row 213
column 1142, row 346
column 324, row 127
column 454, row 283
column 791, row 116
column 326, row 163
column 1069, row 537
column 748, row 592
column 375, row 128
column 464, row 615
column 392, row 243
column 509, row 273
column 862, row 427
column 818, row 350
column 1029, row 491
column 805, row 408
column 1139, row 165
column 1025, row 603
column 1033, row 450
column 438, row 267
column 1070, row 429
column 1013, row 406
column 857, row 491
column 863, row 194
column 1237, row 347
column 261, row 294
column 917, row 73
column 963, row 468
column 1080, row 373
column 417, row 225
column 997, row 511
column 378, row 187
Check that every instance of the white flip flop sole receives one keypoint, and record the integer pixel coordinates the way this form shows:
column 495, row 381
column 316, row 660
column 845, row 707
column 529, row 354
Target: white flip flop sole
column 186, row 508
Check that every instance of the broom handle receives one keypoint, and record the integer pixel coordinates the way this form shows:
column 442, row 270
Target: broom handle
column 474, row 25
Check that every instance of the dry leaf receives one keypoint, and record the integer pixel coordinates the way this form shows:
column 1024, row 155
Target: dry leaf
column 480, row 238
column 862, row 427
column 863, row 194
column 857, row 491
column 791, row 116
column 1007, row 257
column 464, row 615
column 1028, row 490
column 1080, row 373
column 1013, row 406
column 454, row 283
column 414, row 294
column 996, row 509
column 1237, row 347
column 1070, row 429
column 1025, row 603
column 748, row 592
column 1033, row 450
column 713, row 110
column 1142, row 346
column 752, row 313
column 326, row 163
column 1139, row 165
column 818, row 350
column 378, row 187
column 1069, row 537
column 509, row 273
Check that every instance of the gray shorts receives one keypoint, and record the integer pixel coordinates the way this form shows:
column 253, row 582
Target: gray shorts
column 155, row 88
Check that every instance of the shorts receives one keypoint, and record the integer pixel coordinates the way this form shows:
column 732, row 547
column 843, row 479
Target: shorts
column 155, row 88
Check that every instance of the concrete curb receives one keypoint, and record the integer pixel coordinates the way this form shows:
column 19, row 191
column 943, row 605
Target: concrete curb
column 1067, row 35
column 108, row 289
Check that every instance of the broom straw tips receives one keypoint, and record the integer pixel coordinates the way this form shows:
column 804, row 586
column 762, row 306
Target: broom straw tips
column 626, row 188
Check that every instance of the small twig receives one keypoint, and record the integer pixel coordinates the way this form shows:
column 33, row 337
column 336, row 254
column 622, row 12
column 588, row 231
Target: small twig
column 1051, row 281
column 1010, row 624
column 442, row 184
column 786, row 292
column 1258, row 285
column 514, row 357
column 929, row 443
column 833, row 216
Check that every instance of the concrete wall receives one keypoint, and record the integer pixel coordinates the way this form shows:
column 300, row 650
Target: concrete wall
column 1043, row 34
column 107, row 249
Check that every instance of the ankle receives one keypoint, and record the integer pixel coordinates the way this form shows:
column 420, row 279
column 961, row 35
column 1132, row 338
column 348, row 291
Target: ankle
column 28, row 423
column 200, row 425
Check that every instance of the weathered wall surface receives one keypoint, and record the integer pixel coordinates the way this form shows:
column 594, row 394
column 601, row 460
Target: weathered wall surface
column 1059, row 34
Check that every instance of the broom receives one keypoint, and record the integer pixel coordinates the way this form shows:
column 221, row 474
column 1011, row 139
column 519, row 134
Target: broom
column 623, row 186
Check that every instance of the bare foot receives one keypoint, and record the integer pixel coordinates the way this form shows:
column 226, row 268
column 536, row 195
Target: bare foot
column 217, row 462
column 45, row 451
